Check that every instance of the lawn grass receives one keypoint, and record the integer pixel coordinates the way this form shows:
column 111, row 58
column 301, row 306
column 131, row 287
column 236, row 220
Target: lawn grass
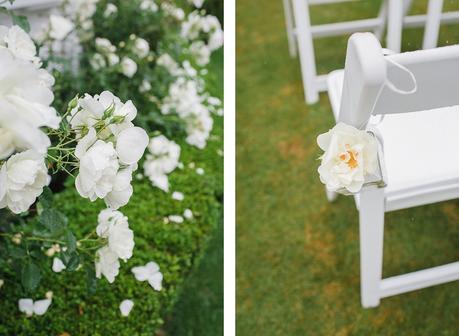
column 297, row 254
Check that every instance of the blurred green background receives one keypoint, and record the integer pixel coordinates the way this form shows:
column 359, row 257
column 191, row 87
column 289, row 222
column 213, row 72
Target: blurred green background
column 297, row 254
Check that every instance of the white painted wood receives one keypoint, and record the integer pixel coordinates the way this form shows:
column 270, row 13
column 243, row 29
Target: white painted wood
column 420, row 279
column 371, row 219
column 347, row 27
column 394, row 26
column 433, row 24
column 33, row 4
column 290, row 27
column 431, row 129
column 306, row 50
column 414, row 21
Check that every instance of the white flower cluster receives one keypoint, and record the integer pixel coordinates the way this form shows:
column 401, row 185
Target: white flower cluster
column 25, row 104
column 105, row 55
column 196, row 3
column 58, row 27
column 149, row 5
column 81, row 12
column 114, row 227
column 199, row 28
column 109, row 147
column 173, row 11
column 185, row 99
column 162, row 159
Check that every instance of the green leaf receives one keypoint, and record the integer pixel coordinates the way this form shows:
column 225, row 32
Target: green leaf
column 46, row 198
column 70, row 241
column 30, row 276
column 53, row 220
column 21, row 21
column 71, row 260
column 91, row 280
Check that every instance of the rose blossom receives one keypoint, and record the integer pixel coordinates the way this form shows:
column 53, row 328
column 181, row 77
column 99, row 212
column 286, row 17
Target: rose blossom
column 114, row 226
column 128, row 67
column 349, row 155
column 107, row 264
column 22, row 179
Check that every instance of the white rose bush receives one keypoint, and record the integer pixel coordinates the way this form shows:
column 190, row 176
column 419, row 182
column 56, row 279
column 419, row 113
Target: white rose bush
column 107, row 125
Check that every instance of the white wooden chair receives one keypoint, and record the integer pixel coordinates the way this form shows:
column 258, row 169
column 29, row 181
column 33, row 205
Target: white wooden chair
column 420, row 148
column 301, row 33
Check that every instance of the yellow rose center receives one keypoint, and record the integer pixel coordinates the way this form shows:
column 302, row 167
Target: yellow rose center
column 349, row 157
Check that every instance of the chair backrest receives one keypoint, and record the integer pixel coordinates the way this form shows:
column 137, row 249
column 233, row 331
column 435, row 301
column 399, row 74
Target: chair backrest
column 367, row 72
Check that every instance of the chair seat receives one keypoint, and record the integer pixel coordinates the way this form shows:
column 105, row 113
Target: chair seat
column 421, row 151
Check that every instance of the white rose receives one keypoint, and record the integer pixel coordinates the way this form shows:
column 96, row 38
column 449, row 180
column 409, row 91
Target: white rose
column 113, row 59
column 200, row 52
column 97, row 172
column 349, row 155
column 91, row 109
column 122, row 189
column 114, row 226
column 104, row 46
column 130, row 144
column 22, row 179
column 25, row 99
column 107, row 264
column 110, row 10
column 141, row 47
column 128, row 67
column 60, row 27
column 97, row 61
column 149, row 5
column 162, row 160
column 150, row 272
column 198, row 127
column 145, row 86
column 196, row 3
column 166, row 61
column 165, row 153
column 19, row 44
column 215, row 40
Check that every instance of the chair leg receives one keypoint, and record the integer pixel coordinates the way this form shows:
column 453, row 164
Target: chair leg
column 382, row 15
column 306, row 50
column 432, row 24
column 371, row 218
column 290, row 26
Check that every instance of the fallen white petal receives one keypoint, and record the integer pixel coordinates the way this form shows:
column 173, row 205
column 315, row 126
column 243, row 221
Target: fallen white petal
column 126, row 307
column 26, row 306
column 178, row 196
column 41, row 306
column 58, row 265
column 176, row 218
column 188, row 214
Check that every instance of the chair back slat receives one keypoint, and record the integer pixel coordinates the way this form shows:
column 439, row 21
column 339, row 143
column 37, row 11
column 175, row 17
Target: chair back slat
column 437, row 77
column 367, row 74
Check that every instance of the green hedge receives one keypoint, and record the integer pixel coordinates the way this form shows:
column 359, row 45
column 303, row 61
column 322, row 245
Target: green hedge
column 175, row 247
